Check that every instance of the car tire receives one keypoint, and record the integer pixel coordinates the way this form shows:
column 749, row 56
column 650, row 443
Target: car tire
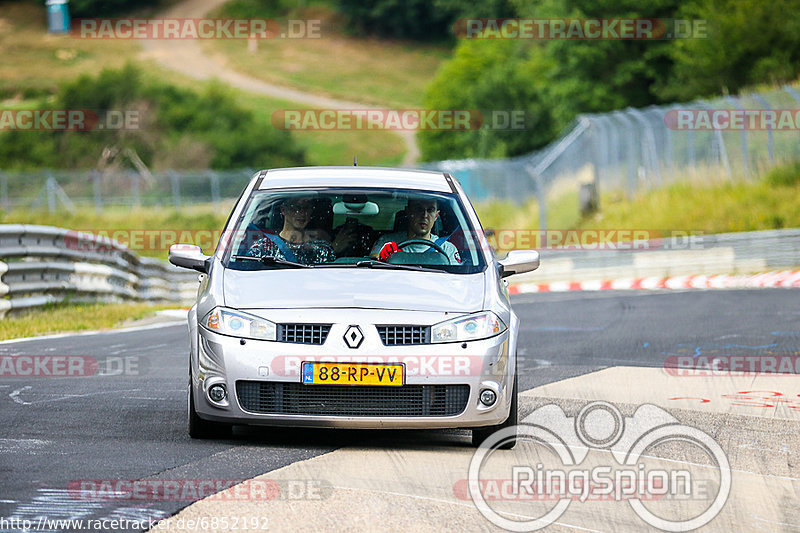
column 204, row 429
column 481, row 434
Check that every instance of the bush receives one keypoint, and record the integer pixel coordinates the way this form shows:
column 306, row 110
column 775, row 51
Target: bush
column 261, row 8
column 100, row 8
column 784, row 176
column 423, row 20
column 211, row 123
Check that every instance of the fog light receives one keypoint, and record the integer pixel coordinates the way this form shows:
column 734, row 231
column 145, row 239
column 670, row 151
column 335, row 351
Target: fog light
column 217, row 393
column 488, row 397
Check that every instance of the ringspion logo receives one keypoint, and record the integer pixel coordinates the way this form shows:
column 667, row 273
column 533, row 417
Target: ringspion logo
column 574, row 466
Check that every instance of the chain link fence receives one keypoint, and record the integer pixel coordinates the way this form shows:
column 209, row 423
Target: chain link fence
column 627, row 150
column 727, row 139
column 54, row 191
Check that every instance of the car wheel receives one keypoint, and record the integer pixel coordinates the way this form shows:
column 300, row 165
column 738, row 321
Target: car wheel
column 204, row 429
column 481, row 434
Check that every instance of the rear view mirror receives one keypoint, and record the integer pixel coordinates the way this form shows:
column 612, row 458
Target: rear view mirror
column 355, row 208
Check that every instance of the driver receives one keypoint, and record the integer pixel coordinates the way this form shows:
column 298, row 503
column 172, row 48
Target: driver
column 422, row 214
column 295, row 242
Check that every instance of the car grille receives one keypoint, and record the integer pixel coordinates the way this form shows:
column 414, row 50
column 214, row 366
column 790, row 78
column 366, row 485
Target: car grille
column 404, row 335
column 343, row 400
column 303, row 333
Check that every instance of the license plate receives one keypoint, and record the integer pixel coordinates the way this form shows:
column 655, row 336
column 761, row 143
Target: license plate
column 392, row 375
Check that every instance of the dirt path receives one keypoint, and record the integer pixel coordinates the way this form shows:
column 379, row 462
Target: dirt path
column 188, row 58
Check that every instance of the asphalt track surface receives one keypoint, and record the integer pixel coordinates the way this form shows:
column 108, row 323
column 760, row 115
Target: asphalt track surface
column 55, row 432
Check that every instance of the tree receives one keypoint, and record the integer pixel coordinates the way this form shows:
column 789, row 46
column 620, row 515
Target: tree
column 749, row 42
column 423, row 20
column 552, row 81
column 489, row 76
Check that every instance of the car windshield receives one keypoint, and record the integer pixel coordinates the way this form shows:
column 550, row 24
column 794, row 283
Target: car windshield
column 355, row 228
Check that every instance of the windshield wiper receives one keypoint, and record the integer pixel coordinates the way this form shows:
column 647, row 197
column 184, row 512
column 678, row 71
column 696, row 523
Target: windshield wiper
column 272, row 260
column 372, row 263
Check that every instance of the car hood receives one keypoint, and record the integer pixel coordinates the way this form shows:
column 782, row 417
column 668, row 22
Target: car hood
column 351, row 287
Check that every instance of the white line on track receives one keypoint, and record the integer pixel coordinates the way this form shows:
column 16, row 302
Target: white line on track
column 775, row 521
column 15, row 395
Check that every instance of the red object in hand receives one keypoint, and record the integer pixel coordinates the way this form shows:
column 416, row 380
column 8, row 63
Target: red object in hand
column 388, row 249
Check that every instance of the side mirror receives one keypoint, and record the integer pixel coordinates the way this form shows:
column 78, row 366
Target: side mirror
column 519, row 262
column 188, row 256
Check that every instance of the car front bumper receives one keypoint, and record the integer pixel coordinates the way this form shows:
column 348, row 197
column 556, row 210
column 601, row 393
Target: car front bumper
column 481, row 364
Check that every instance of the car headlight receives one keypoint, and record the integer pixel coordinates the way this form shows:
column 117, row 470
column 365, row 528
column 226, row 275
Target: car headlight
column 238, row 324
column 468, row 328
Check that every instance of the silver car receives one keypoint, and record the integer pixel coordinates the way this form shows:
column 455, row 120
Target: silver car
column 353, row 297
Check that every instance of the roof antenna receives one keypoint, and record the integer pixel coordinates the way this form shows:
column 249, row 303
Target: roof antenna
column 355, row 163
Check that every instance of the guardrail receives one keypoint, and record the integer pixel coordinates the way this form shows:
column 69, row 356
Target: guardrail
column 724, row 253
column 44, row 264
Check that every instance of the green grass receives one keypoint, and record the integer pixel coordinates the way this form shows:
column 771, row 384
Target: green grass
column 64, row 317
column 770, row 203
column 562, row 213
column 717, row 209
column 378, row 148
column 371, row 71
column 786, row 175
column 33, row 63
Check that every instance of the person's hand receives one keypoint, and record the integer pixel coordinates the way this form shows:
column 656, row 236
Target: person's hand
column 387, row 250
column 344, row 239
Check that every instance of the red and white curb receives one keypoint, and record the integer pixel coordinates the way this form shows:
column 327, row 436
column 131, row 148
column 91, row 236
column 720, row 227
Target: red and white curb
column 785, row 279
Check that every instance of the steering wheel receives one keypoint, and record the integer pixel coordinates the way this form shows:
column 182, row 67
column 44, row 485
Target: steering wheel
column 432, row 244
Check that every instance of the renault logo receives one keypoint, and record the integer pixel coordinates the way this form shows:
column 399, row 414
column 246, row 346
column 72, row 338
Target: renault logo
column 353, row 337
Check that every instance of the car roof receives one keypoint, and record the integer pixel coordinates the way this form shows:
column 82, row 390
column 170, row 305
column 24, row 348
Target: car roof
column 380, row 177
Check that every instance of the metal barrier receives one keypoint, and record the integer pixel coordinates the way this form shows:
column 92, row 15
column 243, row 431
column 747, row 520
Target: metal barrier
column 727, row 253
column 45, row 264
